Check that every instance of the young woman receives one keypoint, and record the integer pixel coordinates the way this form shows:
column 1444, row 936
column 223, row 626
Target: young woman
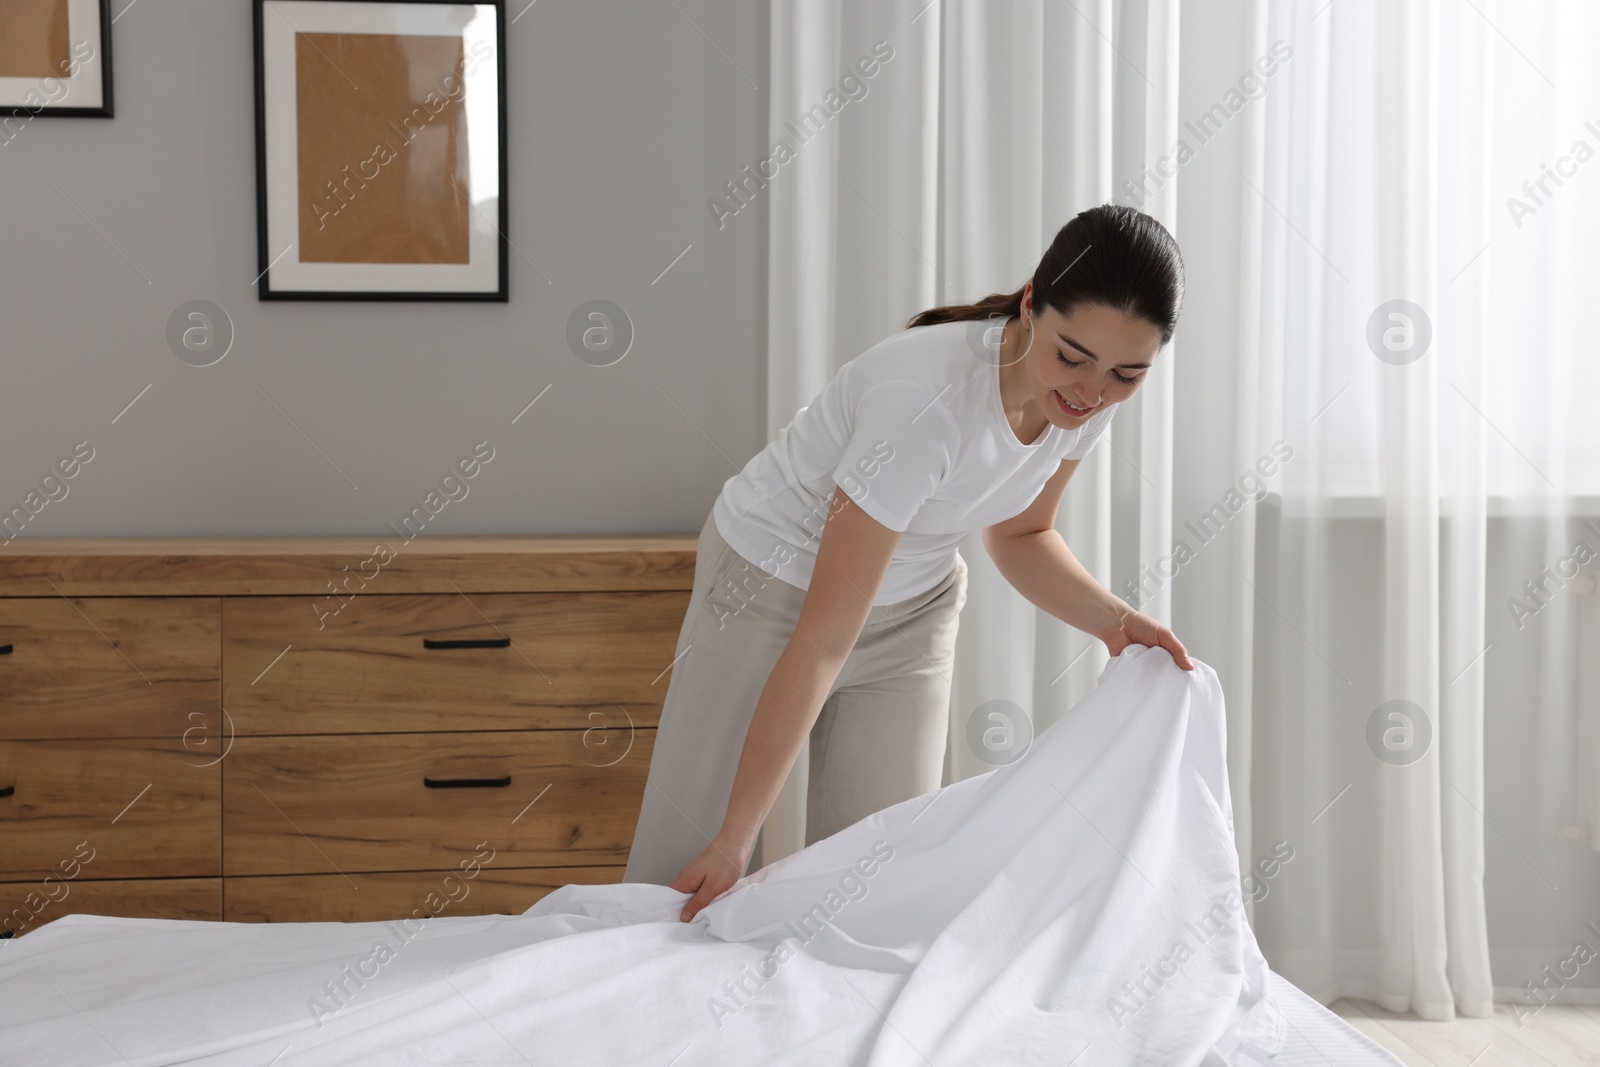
column 828, row 584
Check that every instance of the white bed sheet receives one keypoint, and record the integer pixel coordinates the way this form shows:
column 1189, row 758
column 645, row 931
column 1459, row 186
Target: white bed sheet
column 992, row 921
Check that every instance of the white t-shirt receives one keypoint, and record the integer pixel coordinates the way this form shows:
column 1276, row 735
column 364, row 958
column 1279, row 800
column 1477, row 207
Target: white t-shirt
column 913, row 431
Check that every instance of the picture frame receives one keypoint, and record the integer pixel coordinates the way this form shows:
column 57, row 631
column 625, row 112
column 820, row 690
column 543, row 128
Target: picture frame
column 55, row 61
column 381, row 150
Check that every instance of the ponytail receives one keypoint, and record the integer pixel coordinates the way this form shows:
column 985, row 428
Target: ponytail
column 1001, row 305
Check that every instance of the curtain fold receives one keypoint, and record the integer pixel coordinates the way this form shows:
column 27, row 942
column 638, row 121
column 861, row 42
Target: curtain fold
column 1466, row 123
column 1405, row 263
column 1349, row 468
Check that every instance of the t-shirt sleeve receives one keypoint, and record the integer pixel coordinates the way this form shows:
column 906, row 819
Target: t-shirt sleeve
column 1098, row 426
column 899, row 450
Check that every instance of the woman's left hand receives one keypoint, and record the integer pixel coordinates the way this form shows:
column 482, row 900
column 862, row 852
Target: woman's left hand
column 1137, row 628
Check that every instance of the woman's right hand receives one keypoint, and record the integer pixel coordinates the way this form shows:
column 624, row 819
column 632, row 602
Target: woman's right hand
column 710, row 874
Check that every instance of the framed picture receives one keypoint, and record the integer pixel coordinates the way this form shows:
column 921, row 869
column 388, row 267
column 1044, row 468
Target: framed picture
column 380, row 150
column 55, row 59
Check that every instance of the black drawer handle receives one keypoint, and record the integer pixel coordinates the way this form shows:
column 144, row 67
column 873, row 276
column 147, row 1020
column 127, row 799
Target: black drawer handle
column 474, row 642
column 7, row 790
column 5, row 650
column 467, row 783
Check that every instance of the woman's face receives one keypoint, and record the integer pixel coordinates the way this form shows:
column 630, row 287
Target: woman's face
column 1078, row 364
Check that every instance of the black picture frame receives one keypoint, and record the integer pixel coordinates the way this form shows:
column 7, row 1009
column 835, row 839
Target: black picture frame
column 15, row 112
column 265, row 256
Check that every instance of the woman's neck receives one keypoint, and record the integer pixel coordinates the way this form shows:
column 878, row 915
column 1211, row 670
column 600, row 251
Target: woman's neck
column 1028, row 422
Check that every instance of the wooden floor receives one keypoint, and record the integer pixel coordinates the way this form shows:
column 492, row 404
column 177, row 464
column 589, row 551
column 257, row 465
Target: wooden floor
column 1558, row 1035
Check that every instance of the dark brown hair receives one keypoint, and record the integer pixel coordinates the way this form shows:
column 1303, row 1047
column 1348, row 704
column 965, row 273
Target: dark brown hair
column 1110, row 254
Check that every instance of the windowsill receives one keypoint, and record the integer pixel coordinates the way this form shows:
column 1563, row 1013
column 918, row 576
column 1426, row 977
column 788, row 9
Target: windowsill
column 1368, row 506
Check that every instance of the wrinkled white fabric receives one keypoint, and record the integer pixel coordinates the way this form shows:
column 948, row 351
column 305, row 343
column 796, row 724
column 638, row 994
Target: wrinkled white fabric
column 1029, row 915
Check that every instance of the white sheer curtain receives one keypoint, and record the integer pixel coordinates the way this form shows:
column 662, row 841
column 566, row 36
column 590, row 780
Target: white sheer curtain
column 1368, row 524
column 1429, row 484
column 1367, row 751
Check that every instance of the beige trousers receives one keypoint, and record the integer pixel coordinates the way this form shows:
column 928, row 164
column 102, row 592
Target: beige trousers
column 879, row 738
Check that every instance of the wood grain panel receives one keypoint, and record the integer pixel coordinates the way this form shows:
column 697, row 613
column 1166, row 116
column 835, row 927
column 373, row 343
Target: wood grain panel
column 346, row 803
column 144, row 808
column 27, row 906
column 591, row 660
column 111, row 667
column 366, row 897
column 303, row 566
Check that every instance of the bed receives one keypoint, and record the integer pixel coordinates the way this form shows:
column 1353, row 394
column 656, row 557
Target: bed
column 1081, row 905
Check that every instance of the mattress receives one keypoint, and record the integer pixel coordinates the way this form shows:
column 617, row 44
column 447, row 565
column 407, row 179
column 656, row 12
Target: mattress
column 1313, row 1036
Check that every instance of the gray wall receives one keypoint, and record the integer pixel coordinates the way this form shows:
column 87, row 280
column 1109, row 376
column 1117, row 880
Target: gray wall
column 624, row 120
